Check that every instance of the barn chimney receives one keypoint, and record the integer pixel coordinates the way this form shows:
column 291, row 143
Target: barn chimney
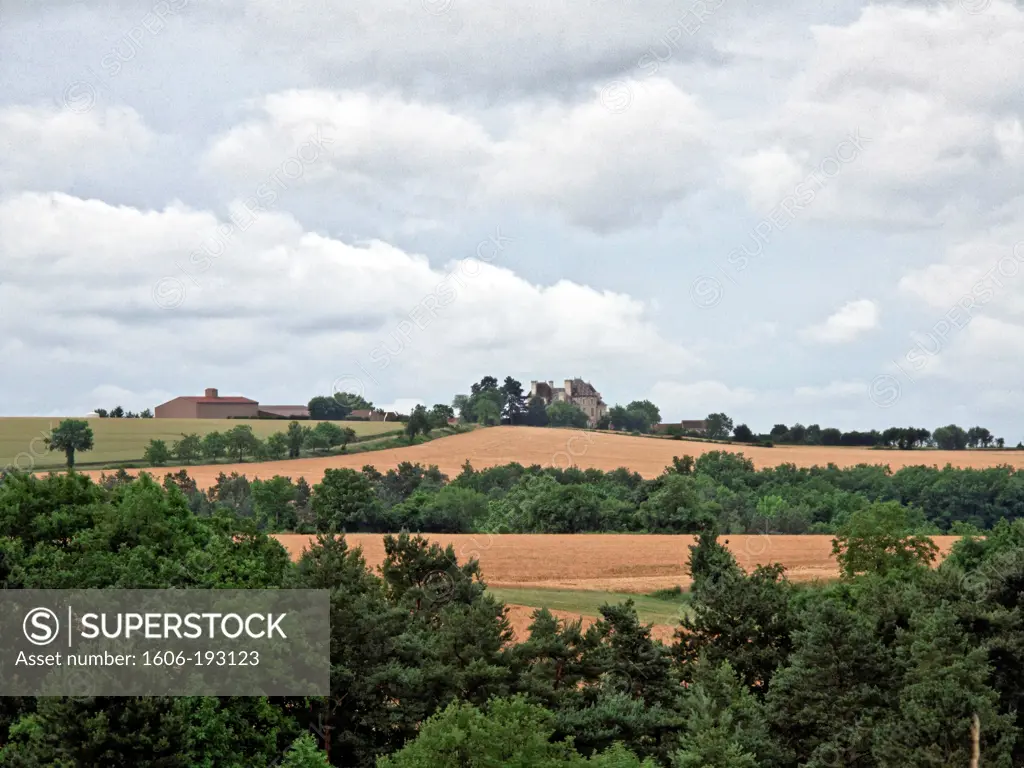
column 211, row 393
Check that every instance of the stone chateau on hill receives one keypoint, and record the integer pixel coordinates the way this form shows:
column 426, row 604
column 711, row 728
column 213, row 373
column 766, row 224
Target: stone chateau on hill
column 576, row 391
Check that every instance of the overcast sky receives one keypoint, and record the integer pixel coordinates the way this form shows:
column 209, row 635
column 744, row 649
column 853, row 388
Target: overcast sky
column 789, row 213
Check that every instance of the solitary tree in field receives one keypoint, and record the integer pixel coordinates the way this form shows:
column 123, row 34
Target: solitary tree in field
column 419, row 423
column 71, row 435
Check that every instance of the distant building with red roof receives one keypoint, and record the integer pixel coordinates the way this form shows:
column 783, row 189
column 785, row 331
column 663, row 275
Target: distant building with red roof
column 210, row 406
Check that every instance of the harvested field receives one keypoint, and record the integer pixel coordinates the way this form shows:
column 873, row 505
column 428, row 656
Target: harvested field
column 521, row 616
column 608, row 562
column 125, row 440
column 523, row 566
column 557, row 447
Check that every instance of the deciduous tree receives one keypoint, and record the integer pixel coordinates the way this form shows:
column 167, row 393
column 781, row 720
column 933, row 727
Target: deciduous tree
column 71, row 436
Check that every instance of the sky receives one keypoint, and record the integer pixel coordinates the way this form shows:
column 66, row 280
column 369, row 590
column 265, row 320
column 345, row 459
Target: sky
column 789, row 212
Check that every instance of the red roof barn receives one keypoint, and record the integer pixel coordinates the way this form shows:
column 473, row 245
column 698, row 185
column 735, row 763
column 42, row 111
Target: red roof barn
column 209, row 406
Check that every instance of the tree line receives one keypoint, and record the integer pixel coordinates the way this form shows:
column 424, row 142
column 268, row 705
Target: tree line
column 117, row 412
column 895, row 665
column 74, row 436
column 950, row 437
column 719, row 489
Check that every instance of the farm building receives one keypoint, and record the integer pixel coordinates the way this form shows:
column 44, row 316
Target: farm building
column 576, row 391
column 284, row 412
column 209, row 406
column 212, row 406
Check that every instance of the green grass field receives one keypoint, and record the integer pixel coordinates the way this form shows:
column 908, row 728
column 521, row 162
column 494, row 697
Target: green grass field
column 651, row 610
column 124, row 440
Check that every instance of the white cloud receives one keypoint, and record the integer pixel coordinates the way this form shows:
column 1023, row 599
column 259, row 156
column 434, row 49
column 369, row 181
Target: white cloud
column 287, row 304
column 930, row 90
column 846, row 324
column 596, row 166
column 48, row 148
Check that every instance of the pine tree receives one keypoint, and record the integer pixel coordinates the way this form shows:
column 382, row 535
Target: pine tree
column 945, row 686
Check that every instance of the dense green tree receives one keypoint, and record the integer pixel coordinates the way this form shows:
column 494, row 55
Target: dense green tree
column 70, row 436
column 304, row 753
column 276, row 445
column 188, row 449
column 241, row 441
column 487, row 408
column 323, row 408
column 214, row 446
column 537, row 412
column 514, row 403
column 944, row 688
column 719, row 426
column 296, row 436
column 742, row 434
column 464, row 405
column 565, row 414
column 838, row 682
column 950, row 438
column 157, row 453
column 327, row 435
column 511, row 733
column 676, row 507
column 979, row 437
column 831, row 436
column 745, row 620
column 273, row 504
column 486, row 384
column 642, row 415
column 725, row 725
column 345, row 501
column 352, row 401
column 881, row 538
column 418, row 424
column 440, row 414
column 449, row 510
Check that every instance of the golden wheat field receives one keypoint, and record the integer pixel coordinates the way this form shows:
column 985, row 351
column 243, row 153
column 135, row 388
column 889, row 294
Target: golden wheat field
column 562, row 447
column 125, row 440
column 612, row 562
column 621, row 564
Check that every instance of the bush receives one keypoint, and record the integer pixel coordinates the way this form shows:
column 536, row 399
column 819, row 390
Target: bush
column 672, row 593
